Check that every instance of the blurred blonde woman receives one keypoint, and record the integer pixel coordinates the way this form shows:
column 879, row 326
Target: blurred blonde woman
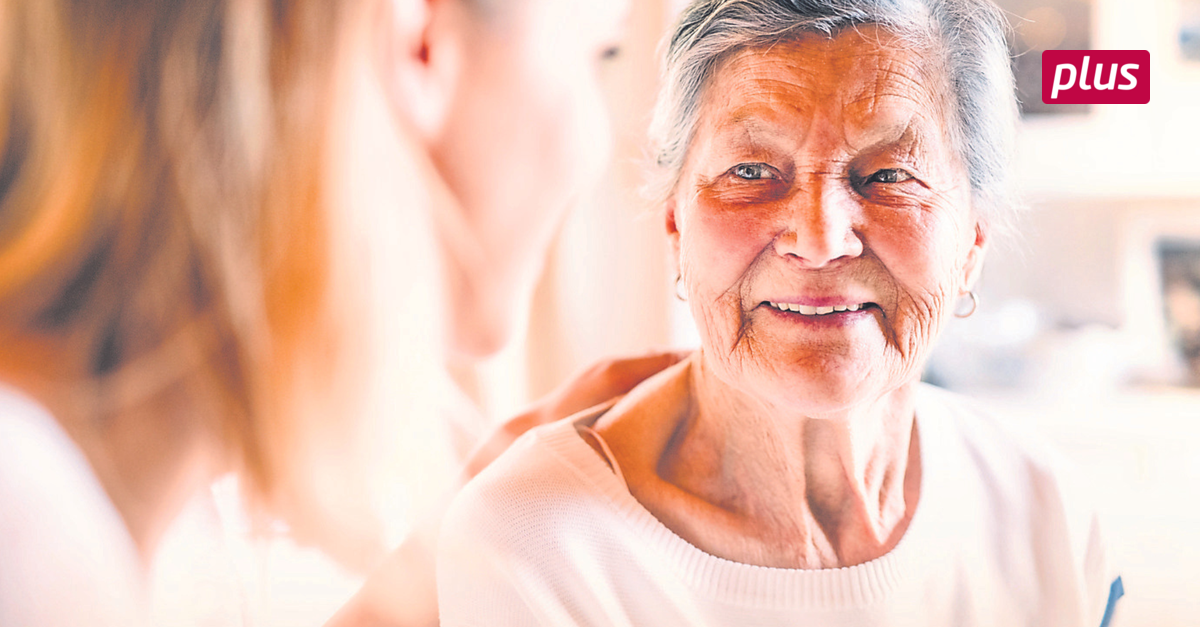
column 227, row 229
column 180, row 293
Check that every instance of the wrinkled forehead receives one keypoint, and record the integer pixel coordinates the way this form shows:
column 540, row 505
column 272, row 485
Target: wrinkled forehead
column 868, row 82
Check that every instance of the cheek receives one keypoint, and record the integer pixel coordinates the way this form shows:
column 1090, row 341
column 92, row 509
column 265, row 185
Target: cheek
column 719, row 245
column 924, row 253
column 914, row 254
column 718, row 251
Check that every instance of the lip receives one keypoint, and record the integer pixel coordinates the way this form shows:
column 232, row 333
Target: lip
column 813, row 306
column 838, row 302
column 821, row 301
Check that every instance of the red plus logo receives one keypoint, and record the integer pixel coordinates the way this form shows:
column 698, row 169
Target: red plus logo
column 1096, row 76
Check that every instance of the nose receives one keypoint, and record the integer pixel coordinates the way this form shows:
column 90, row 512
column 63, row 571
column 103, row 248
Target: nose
column 818, row 226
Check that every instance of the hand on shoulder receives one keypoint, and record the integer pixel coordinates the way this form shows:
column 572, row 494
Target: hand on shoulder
column 602, row 381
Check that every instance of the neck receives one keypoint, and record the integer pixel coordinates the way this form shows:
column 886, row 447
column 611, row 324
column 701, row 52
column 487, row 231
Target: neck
column 805, row 491
column 150, row 458
column 151, row 461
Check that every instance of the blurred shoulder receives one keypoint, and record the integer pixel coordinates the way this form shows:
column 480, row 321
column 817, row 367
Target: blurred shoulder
column 40, row 465
column 60, row 535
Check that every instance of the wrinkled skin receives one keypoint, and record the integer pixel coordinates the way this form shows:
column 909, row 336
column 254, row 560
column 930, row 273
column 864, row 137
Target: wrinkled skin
column 823, row 171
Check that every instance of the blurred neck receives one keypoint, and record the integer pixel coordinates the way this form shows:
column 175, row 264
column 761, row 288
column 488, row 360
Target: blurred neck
column 150, row 458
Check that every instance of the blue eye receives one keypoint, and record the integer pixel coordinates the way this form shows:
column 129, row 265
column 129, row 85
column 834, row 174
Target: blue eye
column 889, row 175
column 753, row 171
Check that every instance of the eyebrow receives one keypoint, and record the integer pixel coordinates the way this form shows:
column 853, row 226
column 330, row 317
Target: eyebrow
column 751, row 134
column 901, row 133
column 748, row 127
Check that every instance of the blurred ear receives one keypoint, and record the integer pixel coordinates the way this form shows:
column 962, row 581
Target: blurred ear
column 422, row 60
column 974, row 265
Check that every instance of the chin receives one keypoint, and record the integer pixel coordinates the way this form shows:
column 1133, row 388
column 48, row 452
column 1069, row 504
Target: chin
column 820, row 392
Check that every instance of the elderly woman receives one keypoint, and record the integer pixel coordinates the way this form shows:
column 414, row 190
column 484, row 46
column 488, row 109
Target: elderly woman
column 835, row 171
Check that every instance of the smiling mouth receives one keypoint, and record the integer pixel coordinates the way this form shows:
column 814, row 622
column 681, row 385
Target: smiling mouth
column 809, row 310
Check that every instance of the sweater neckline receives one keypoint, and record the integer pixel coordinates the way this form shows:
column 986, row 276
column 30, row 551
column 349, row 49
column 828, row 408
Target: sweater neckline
column 741, row 584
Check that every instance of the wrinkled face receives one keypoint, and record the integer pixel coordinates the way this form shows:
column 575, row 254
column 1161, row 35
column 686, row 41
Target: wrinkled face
column 528, row 133
column 822, row 220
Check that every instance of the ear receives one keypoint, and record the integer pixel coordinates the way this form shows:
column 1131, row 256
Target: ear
column 672, row 224
column 422, row 60
column 974, row 265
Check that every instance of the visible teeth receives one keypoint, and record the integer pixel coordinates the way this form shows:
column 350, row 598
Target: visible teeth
column 807, row 310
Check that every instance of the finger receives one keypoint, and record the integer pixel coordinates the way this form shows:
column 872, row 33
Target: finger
column 597, row 384
column 629, row 372
column 501, row 438
column 608, row 379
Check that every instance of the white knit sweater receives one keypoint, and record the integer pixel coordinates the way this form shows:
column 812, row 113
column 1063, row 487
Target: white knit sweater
column 550, row 536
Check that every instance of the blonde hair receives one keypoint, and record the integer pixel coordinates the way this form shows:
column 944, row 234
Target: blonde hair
column 164, row 207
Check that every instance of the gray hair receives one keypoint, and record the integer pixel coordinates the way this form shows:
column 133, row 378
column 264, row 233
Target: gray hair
column 968, row 34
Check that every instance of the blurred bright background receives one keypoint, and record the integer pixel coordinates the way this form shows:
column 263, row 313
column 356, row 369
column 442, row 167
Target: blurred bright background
column 1073, row 331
